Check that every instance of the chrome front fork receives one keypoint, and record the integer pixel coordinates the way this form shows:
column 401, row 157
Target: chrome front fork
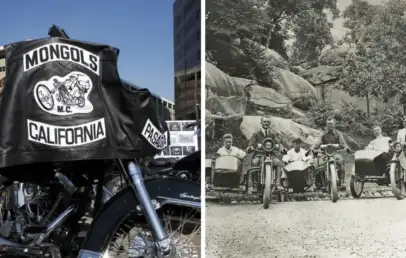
column 136, row 179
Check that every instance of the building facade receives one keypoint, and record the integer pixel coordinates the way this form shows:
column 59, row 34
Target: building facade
column 165, row 108
column 187, row 58
column 2, row 63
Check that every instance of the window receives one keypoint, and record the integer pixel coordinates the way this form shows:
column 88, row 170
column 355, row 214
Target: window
column 198, row 34
column 189, row 6
column 2, row 69
column 198, row 15
column 198, row 54
column 177, row 21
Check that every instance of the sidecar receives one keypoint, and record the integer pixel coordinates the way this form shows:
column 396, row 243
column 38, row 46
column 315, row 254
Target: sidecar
column 226, row 172
column 297, row 173
column 369, row 166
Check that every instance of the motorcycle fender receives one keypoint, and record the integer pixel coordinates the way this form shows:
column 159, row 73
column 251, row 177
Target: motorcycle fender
column 173, row 191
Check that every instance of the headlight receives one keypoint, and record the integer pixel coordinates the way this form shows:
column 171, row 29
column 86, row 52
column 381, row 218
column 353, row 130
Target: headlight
column 268, row 144
column 397, row 146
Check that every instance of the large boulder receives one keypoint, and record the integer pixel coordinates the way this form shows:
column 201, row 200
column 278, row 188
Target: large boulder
column 220, row 83
column 321, row 74
column 267, row 101
column 226, row 106
column 335, row 55
column 296, row 88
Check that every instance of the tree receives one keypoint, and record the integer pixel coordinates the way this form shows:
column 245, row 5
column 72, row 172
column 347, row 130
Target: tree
column 378, row 67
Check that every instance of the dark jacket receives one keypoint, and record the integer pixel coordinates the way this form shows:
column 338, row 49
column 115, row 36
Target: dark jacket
column 334, row 137
column 259, row 137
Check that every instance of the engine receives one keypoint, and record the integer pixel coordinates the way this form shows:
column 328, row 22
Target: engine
column 23, row 207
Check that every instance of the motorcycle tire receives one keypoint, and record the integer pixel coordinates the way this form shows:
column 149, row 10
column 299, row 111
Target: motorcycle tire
column 267, row 195
column 120, row 219
column 333, row 183
column 356, row 192
column 398, row 189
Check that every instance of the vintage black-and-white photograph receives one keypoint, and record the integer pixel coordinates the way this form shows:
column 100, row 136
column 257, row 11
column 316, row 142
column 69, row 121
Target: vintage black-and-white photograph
column 305, row 128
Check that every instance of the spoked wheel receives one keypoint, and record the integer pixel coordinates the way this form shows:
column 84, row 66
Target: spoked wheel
column 135, row 240
column 268, row 188
column 333, row 183
column 397, row 181
column 356, row 186
column 44, row 97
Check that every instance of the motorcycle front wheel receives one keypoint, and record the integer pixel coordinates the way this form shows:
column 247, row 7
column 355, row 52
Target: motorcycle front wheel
column 333, row 183
column 267, row 196
column 127, row 234
column 397, row 181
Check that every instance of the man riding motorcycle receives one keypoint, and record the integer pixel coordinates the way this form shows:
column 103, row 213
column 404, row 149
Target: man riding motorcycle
column 257, row 138
column 332, row 136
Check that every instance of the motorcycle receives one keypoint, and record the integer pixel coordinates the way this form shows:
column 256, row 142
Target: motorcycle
column 297, row 173
column 42, row 202
column 328, row 175
column 266, row 171
column 379, row 167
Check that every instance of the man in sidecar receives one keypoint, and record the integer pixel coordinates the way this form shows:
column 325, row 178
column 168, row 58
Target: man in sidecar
column 297, row 153
column 226, row 169
column 257, row 138
column 332, row 136
column 229, row 150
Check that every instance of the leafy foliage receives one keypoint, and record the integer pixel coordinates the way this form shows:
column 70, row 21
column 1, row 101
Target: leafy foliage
column 378, row 32
column 233, row 26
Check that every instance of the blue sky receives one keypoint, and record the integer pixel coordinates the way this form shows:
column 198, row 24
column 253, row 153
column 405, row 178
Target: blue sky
column 141, row 29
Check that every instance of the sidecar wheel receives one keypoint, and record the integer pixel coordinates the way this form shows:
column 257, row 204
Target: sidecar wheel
column 356, row 187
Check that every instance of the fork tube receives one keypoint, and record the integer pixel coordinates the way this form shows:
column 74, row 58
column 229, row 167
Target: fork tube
column 137, row 182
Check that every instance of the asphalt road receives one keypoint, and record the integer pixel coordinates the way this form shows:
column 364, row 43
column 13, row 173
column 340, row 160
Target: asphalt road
column 349, row 228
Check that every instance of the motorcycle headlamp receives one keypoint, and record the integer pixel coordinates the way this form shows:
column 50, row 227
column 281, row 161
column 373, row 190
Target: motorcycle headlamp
column 268, row 145
column 397, row 147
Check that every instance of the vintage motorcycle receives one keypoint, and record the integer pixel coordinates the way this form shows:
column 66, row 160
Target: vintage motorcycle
column 328, row 174
column 267, row 171
column 379, row 167
column 42, row 215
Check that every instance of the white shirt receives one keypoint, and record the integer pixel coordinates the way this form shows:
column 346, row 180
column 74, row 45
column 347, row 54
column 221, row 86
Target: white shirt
column 265, row 132
column 379, row 144
column 233, row 151
column 401, row 136
column 292, row 155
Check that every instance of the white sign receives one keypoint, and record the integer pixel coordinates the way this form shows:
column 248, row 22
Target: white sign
column 184, row 140
column 61, row 52
column 66, row 136
column 64, row 96
column 154, row 136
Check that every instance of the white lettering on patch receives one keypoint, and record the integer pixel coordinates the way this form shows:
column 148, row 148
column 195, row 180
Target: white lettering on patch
column 154, row 136
column 64, row 96
column 66, row 136
column 61, row 52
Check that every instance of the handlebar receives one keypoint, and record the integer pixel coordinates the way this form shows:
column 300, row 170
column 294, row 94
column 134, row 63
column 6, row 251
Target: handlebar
column 278, row 147
column 324, row 146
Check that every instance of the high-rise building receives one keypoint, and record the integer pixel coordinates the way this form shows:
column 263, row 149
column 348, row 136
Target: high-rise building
column 2, row 63
column 186, row 34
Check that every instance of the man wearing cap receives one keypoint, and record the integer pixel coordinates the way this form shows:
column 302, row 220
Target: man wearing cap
column 257, row 138
column 297, row 153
